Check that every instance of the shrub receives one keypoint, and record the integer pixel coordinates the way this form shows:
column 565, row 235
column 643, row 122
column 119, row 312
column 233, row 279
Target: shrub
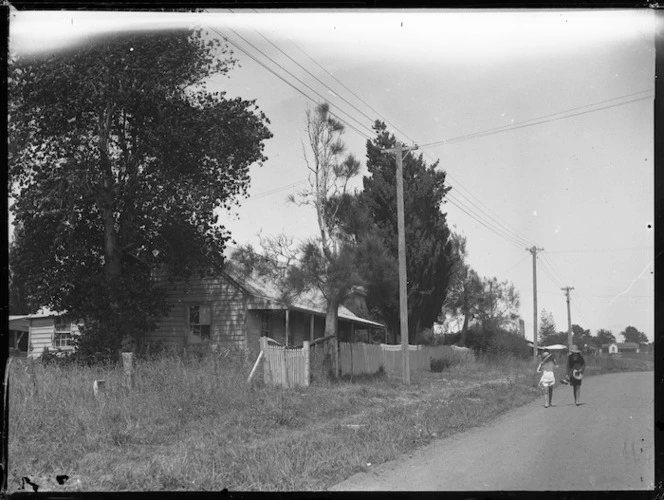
column 438, row 365
column 427, row 337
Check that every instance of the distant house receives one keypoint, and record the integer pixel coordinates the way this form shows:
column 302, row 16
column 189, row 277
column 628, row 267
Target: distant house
column 627, row 347
column 611, row 348
column 33, row 333
column 232, row 309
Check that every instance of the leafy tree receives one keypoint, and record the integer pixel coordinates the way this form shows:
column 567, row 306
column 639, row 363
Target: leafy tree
column 605, row 337
column 499, row 302
column 428, row 249
column 19, row 302
column 547, row 326
column 119, row 159
column 326, row 262
column 464, row 295
column 631, row 334
column 580, row 337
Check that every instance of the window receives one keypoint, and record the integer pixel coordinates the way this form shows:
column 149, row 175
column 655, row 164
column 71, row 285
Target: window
column 62, row 337
column 200, row 320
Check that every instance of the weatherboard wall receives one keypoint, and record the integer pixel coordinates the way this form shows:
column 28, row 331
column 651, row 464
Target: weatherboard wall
column 228, row 313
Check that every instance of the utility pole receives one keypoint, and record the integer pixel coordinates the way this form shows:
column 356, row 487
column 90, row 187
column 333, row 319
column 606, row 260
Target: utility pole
column 534, row 251
column 569, row 317
column 403, row 301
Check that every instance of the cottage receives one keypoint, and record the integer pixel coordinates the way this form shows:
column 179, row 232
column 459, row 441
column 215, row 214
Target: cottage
column 33, row 333
column 627, row 347
column 611, row 348
column 233, row 309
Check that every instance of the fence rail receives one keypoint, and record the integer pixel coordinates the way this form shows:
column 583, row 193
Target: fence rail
column 291, row 366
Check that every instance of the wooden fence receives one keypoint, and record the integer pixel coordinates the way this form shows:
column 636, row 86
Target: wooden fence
column 291, row 366
column 285, row 366
column 358, row 359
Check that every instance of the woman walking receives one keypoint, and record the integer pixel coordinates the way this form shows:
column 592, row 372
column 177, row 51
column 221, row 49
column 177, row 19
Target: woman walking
column 575, row 367
column 548, row 379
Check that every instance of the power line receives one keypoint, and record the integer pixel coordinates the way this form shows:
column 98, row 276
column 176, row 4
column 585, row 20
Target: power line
column 503, row 230
column 527, row 123
column 595, row 250
column 352, row 93
column 512, row 234
column 225, row 37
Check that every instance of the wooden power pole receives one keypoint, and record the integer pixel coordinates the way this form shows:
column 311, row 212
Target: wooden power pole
column 569, row 317
column 403, row 300
column 534, row 251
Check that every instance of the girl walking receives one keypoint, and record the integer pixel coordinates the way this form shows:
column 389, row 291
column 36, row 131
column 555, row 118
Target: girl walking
column 548, row 379
column 575, row 366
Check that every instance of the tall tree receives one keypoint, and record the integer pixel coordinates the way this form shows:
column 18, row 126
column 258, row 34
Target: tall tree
column 19, row 301
column 499, row 302
column 119, row 159
column 428, row 249
column 605, row 337
column 580, row 337
column 547, row 326
column 631, row 334
column 464, row 295
column 327, row 261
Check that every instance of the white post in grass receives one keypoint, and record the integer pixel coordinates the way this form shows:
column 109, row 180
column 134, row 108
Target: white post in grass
column 128, row 364
column 305, row 347
column 98, row 388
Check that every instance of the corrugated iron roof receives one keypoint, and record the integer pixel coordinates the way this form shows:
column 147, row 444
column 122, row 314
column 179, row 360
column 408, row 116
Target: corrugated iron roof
column 310, row 301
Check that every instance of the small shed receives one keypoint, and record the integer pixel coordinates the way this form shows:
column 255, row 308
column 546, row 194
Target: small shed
column 42, row 330
column 612, row 348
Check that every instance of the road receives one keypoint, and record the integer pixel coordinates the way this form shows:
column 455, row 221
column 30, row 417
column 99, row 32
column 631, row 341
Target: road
column 606, row 443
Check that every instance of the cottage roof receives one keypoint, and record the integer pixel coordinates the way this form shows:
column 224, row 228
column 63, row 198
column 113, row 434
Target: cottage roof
column 44, row 312
column 311, row 301
column 627, row 345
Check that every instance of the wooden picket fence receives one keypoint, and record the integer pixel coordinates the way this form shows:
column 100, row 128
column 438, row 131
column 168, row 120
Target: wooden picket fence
column 285, row 366
column 291, row 366
column 359, row 359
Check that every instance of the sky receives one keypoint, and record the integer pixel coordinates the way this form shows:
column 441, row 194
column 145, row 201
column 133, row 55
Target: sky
column 542, row 119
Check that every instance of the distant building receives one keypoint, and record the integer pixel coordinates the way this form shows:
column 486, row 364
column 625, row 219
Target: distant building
column 628, row 347
column 40, row 331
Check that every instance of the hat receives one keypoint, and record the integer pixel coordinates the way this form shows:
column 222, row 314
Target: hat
column 546, row 355
column 574, row 349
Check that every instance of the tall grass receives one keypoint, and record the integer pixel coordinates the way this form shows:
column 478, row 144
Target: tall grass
column 195, row 423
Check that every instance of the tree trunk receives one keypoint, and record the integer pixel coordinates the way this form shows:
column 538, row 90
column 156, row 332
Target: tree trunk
column 464, row 330
column 331, row 317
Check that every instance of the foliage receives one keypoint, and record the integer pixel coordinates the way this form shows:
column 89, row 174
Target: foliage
column 370, row 218
column 490, row 338
column 631, row 334
column 605, row 337
column 547, row 326
column 464, row 296
column 327, row 262
column 438, row 365
column 19, row 299
column 119, row 160
column 581, row 337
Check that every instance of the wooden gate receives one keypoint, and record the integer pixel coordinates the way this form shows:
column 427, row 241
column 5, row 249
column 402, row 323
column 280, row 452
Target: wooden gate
column 285, row 366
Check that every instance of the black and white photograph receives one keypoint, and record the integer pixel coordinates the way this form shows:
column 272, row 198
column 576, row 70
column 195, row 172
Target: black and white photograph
column 330, row 250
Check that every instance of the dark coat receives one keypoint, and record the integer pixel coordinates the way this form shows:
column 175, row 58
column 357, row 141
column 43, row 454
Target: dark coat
column 575, row 362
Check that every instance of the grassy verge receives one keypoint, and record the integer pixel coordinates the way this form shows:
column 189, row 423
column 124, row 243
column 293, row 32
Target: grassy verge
column 196, row 425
